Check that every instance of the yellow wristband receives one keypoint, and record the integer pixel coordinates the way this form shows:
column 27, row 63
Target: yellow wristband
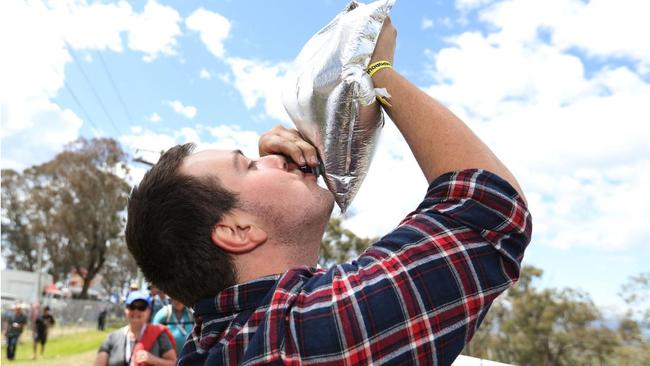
column 373, row 68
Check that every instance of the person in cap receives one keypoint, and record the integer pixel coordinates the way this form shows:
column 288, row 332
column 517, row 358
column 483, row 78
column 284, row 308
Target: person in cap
column 138, row 343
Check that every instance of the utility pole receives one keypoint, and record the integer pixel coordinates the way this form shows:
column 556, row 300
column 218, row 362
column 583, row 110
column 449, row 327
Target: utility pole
column 141, row 160
column 39, row 272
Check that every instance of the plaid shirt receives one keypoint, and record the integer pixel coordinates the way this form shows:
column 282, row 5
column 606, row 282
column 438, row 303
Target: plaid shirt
column 415, row 297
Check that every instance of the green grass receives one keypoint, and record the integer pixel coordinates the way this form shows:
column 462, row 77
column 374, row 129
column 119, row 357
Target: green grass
column 61, row 346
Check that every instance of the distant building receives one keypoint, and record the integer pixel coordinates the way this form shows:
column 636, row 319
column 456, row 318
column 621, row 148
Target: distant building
column 22, row 286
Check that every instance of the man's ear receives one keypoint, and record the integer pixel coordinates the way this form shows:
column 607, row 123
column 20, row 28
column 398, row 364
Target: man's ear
column 238, row 233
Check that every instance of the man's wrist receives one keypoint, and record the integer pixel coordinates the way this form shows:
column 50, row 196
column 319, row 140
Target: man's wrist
column 381, row 77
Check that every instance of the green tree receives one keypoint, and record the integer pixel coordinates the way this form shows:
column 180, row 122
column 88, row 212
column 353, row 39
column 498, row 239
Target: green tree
column 635, row 325
column 76, row 209
column 19, row 247
column 119, row 270
column 530, row 326
column 340, row 245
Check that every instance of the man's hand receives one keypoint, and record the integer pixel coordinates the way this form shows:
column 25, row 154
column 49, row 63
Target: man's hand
column 288, row 142
column 385, row 48
column 143, row 356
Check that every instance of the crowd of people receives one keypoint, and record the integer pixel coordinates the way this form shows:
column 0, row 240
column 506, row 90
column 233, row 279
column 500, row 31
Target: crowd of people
column 156, row 329
column 154, row 335
column 15, row 321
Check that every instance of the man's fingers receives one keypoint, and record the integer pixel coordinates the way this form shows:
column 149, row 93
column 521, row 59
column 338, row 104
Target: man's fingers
column 276, row 144
column 308, row 152
column 281, row 140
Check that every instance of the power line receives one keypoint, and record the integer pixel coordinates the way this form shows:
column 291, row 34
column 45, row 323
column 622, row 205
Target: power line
column 74, row 97
column 67, row 86
column 119, row 96
column 92, row 88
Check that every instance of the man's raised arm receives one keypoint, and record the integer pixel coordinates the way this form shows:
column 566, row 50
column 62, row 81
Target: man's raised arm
column 440, row 141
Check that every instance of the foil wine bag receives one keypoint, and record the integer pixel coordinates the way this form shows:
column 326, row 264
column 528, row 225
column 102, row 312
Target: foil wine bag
column 332, row 100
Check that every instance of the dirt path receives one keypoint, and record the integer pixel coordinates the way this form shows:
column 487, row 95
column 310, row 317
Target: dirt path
column 86, row 358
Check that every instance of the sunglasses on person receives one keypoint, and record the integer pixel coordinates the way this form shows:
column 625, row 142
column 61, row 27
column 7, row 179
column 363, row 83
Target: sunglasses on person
column 138, row 305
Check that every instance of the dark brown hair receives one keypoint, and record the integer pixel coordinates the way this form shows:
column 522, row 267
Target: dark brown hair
column 170, row 220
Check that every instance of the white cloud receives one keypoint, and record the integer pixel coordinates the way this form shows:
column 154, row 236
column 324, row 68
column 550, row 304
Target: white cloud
column 146, row 145
column 576, row 138
column 393, row 162
column 470, row 4
column 154, row 31
column 95, row 26
column 154, row 117
column 601, row 28
column 213, row 28
column 20, row 148
column 225, row 77
column 149, row 144
column 260, row 80
column 35, row 37
column 31, row 70
column 205, row 74
column 256, row 80
column 426, row 23
column 232, row 137
column 178, row 107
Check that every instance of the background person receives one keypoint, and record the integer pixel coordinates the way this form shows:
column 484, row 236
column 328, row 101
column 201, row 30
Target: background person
column 13, row 328
column 179, row 319
column 42, row 326
column 138, row 343
column 101, row 319
column 158, row 300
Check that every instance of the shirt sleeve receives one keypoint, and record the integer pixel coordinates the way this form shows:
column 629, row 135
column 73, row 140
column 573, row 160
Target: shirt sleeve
column 107, row 345
column 164, row 343
column 159, row 317
column 419, row 293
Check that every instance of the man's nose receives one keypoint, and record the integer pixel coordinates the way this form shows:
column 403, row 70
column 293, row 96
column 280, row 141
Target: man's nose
column 273, row 161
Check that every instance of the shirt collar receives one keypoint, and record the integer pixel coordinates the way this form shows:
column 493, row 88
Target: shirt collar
column 237, row 298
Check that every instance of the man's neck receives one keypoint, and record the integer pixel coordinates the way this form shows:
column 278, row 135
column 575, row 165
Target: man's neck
column 276, row 258
column 135, row 329
column 284, row 249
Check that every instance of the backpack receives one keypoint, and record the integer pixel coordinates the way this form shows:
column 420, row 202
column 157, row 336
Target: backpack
column 149, row 337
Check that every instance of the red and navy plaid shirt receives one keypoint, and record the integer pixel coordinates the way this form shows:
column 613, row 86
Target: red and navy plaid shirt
column 414, row 297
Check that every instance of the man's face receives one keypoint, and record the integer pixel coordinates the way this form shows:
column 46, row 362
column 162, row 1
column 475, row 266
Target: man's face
column 272, row 183
column 177, row 305
column 137, row 312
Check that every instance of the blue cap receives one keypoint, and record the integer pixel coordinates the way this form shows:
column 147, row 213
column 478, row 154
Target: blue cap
column 137, row 295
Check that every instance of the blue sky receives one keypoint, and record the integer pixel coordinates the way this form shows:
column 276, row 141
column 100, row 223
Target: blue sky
column 558, row 88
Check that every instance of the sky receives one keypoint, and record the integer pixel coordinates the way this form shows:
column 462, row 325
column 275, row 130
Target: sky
column 559, row 89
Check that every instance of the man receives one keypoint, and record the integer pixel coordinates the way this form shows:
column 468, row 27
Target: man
column 158, row 300
column 41, row 328
column 138, row 343
column 238, row 240
column 13, row 327
column 178, row 318
column 101, row 319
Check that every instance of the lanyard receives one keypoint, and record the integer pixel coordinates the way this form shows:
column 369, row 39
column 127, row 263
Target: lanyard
column 181, row 324
column 128, row 352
